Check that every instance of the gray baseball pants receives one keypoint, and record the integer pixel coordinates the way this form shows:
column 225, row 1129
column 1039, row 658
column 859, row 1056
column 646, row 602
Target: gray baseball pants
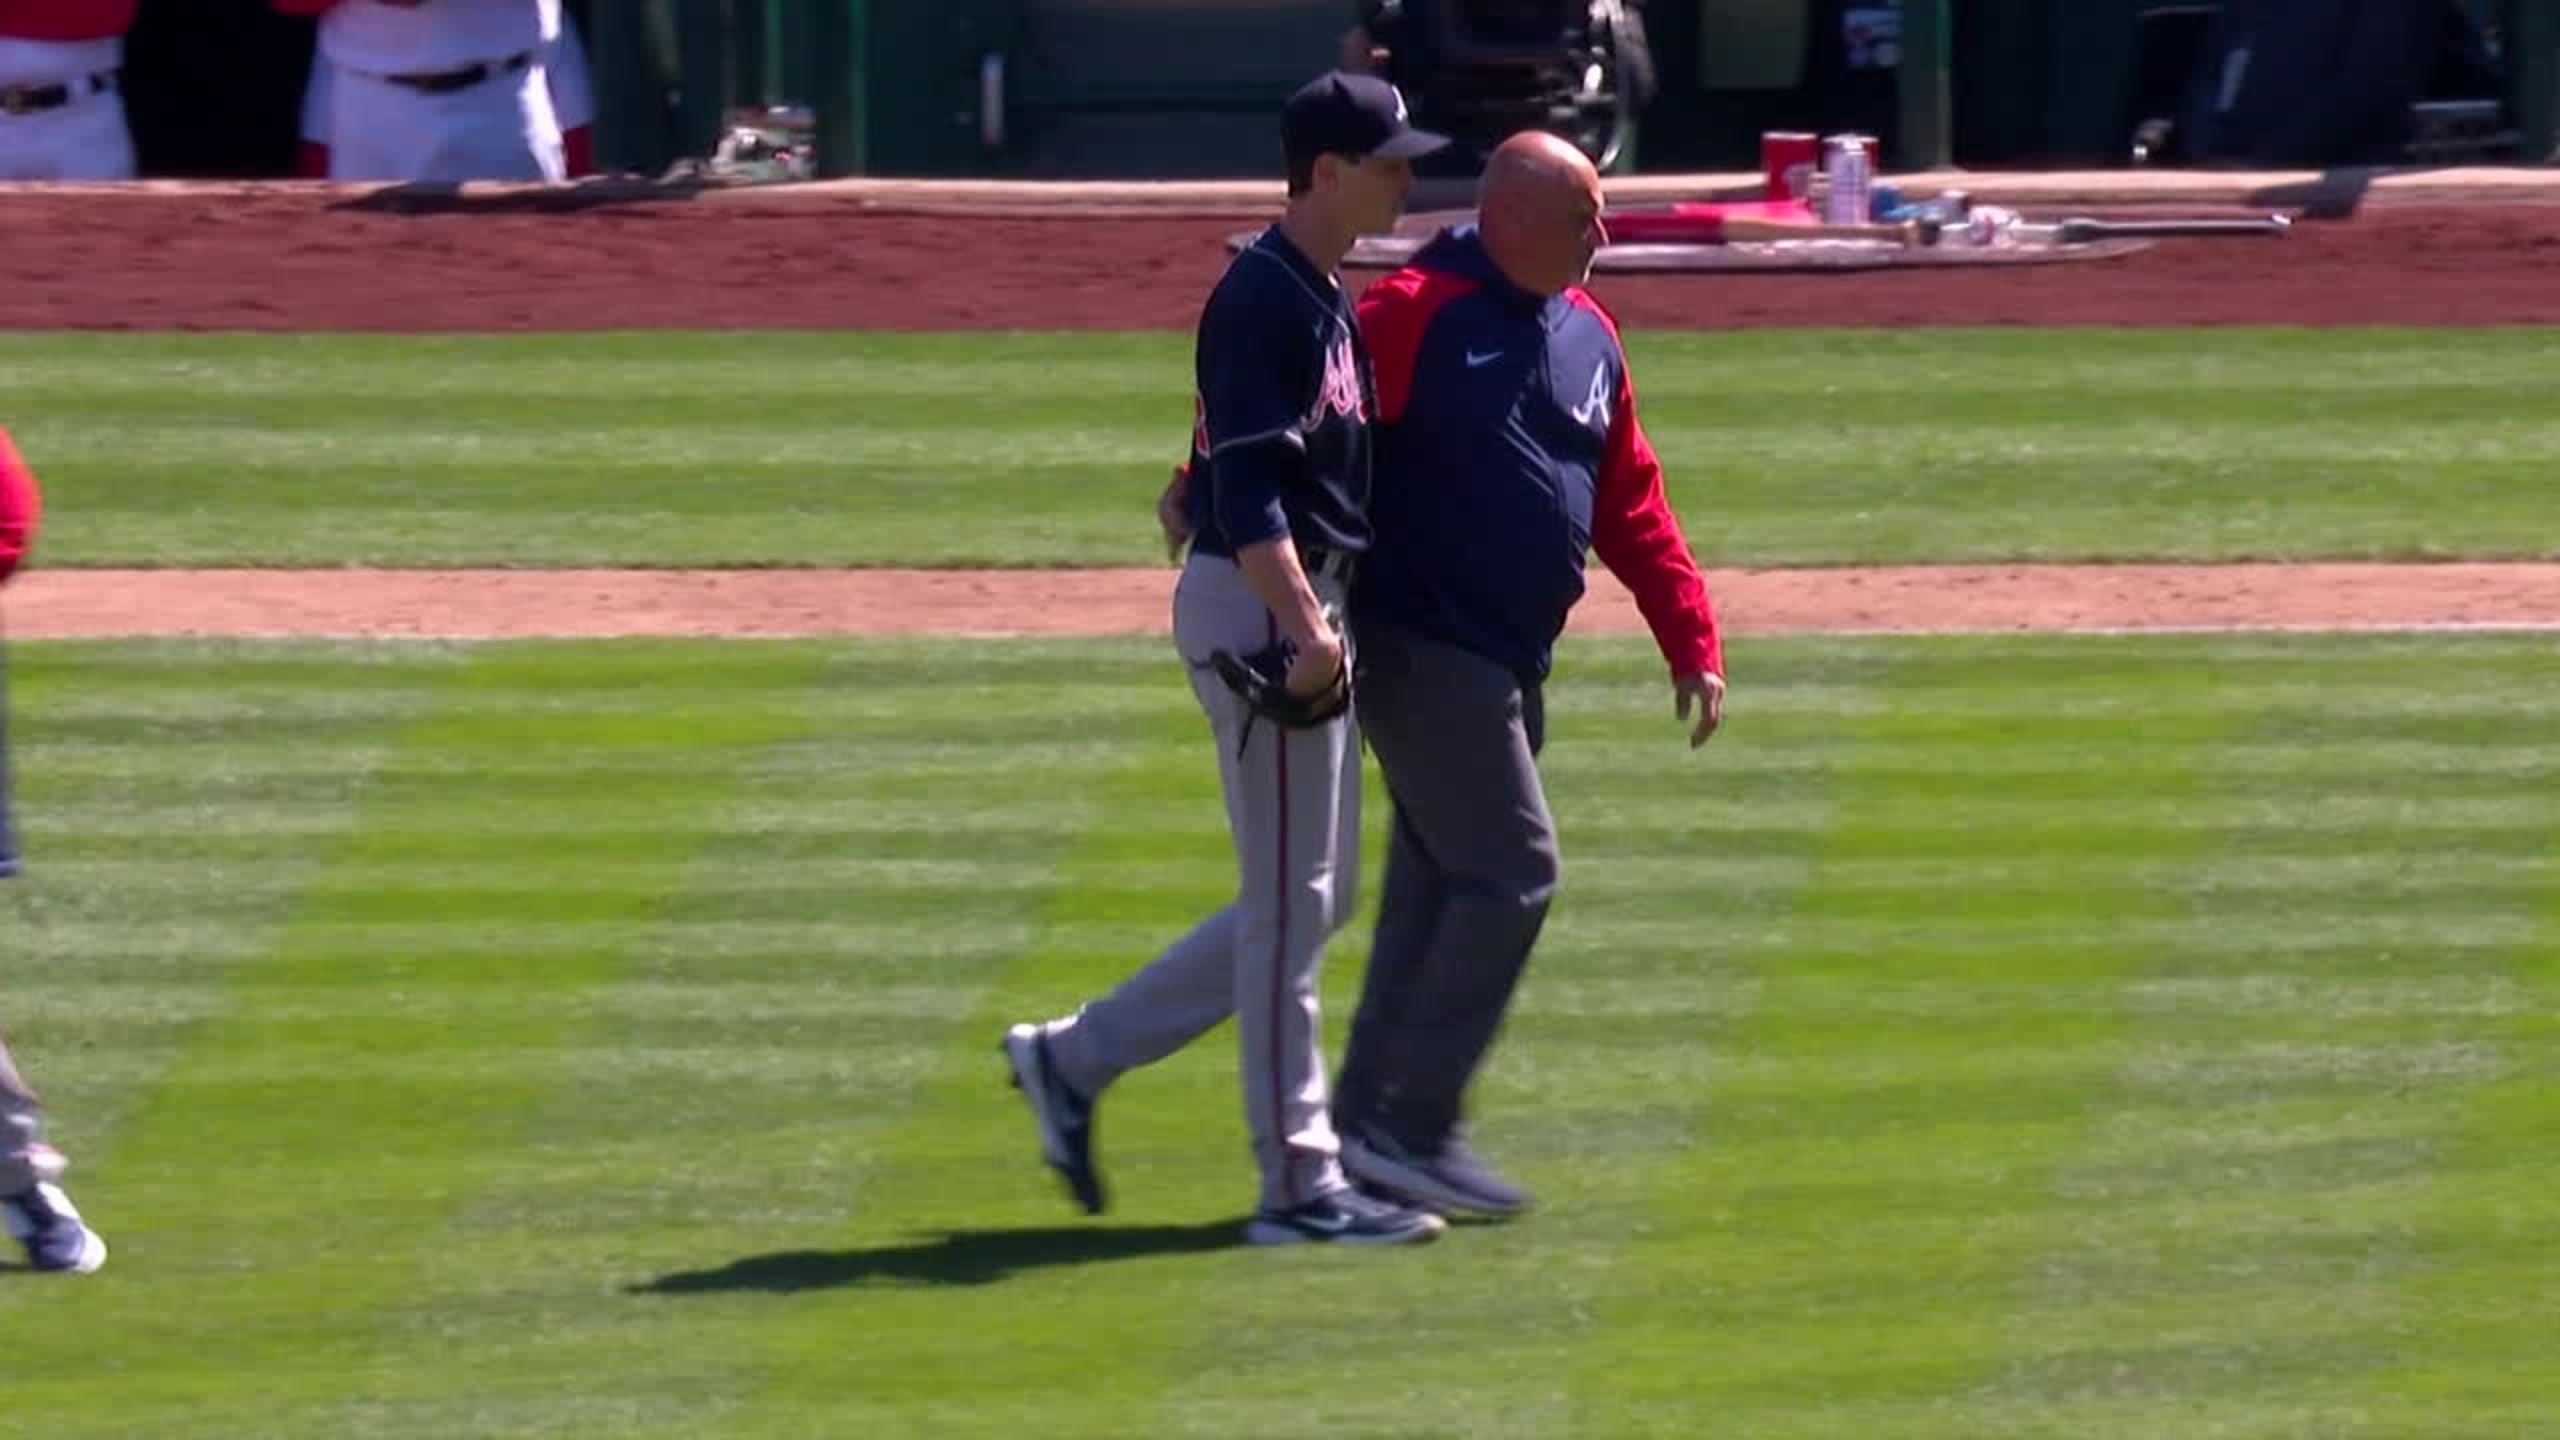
column 1293, row 810
column 21, row 1126
column 1471, row 866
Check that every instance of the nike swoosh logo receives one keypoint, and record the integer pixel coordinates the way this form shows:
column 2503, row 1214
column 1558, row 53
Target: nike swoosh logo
column 1329, row 1224
column 1487, row 358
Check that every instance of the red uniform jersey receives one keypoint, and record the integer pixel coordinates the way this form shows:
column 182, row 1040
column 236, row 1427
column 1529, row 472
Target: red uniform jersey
column 66, row 19
column 21, row 504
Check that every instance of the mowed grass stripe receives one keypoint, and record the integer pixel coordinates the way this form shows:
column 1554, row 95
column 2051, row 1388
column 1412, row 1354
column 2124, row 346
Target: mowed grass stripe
column 615, row 449
column 301, row 1176
column 2483, row 1281
column 723, row 1105
column 156, row 861
column 1855, row 1112
column 977, row 1290
column 2257, row 1071
column 859, row 449
column 1863, row 1098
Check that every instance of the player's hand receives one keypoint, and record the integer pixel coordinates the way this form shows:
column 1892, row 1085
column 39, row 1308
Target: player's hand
column 1173, row 512
column 1317, row 668
column 1705, row 693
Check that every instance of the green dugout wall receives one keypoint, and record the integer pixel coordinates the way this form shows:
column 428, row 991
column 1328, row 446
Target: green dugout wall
column 1165, row 87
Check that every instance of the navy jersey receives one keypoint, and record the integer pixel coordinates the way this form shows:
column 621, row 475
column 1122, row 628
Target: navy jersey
column 1281, row 443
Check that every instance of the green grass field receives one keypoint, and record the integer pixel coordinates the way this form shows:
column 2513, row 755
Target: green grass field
column 1999, row 1036
column 799, row 449
column 1986, row 1037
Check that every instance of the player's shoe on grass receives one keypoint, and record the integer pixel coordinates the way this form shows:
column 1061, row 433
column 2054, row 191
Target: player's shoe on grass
column 1345, row 1217
column 1452, row 1179
column 1065, row 1118
column 43, row 1220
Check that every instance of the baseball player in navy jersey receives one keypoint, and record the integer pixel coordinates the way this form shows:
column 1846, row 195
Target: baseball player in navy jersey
column 1278, row 503
column 33, row 1209
column 1508, row 448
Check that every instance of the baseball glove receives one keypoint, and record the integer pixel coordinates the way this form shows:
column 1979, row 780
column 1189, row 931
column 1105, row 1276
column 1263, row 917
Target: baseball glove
column 1261, row 680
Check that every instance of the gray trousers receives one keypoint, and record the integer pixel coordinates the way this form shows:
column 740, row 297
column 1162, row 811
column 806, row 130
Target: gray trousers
column 1471, row 866
column 21, row 1126
column 1293, row 811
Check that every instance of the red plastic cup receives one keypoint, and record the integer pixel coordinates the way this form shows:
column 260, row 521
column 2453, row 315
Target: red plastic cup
column 1788, row 160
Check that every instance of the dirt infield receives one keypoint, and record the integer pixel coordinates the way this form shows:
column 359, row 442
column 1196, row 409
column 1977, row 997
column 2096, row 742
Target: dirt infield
column 310, row 258
column 498, row 604
column 177, row 257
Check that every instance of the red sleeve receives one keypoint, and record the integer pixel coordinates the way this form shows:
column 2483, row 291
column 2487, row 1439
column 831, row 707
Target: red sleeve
column 303, row 7
column 1394, row 315
column 1639, row 539
column 21, row 504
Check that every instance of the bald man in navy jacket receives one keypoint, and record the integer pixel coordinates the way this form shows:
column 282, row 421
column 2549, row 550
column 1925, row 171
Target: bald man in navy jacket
column 1507, row 450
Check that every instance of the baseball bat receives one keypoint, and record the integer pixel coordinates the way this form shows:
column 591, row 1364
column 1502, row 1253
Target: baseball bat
column 2081, row 229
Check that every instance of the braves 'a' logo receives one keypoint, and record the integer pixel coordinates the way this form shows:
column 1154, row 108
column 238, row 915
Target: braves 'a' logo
column 1340, row 394
column 1597, row 402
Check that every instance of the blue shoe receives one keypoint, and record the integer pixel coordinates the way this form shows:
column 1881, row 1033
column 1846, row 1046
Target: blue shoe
column 1065, row 1118
column 1345, row 1217
column 44, row 1221
column 1452, row 1179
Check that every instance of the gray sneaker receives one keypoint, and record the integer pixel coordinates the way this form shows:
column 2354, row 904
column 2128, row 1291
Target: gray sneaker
column 1452, row 1179
column 1345, row 1217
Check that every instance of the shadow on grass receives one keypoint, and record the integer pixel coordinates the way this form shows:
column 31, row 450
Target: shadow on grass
column 953, row 1257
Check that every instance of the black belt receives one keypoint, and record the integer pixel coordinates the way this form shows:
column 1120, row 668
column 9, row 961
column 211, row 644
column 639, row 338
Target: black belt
column 445, row 82
column 28, row 99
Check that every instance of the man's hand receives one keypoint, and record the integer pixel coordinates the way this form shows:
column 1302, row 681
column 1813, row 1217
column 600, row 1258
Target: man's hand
column 1272, row 682
column 1173, row 514
column 1706, row 693
column 1317, row 668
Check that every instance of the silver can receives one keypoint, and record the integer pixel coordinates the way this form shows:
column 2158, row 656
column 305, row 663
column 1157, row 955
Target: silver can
column 1848, row 167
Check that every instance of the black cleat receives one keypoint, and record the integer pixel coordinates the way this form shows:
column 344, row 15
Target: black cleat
column 44, row 1221
column 1345, row 1217
column 1064, row 1117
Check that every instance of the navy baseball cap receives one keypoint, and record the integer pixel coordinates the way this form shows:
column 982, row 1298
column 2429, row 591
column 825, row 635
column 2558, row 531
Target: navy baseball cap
column 1339, row 113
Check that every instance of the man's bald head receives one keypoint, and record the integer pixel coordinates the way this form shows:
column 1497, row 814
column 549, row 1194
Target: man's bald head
column 1539, row 205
